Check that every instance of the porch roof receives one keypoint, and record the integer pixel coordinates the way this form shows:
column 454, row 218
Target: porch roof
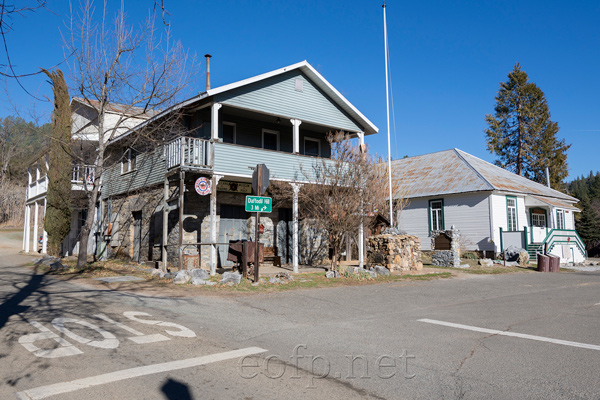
column 553, row 202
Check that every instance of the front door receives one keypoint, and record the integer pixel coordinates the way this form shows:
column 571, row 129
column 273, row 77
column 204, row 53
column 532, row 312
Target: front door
column 538, row 225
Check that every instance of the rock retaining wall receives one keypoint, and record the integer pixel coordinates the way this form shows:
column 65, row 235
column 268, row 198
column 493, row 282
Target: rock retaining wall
column 395, row 252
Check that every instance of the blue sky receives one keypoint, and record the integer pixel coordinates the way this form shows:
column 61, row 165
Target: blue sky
column 447, row 59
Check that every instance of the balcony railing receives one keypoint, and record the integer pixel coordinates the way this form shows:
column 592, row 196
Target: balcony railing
column 186, row 152
column 83, row 173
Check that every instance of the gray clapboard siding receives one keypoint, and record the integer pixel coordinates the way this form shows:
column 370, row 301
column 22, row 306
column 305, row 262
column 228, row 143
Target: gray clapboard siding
column 236, row 160
column 469, row 213
column 150, row 170
column 278, row 95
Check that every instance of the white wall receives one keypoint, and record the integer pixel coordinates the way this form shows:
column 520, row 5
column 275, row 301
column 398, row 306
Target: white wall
column 501, row 219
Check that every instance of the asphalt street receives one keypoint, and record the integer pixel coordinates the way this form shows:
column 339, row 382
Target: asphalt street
column 523, row 335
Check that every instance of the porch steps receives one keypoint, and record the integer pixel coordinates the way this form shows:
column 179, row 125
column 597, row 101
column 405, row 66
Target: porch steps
column 532, row 249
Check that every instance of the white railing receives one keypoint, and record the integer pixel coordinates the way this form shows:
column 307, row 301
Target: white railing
column 83, row 173
column 188, row 152
column 37, row 188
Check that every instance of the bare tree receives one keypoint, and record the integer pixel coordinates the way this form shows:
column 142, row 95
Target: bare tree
column 348, row 190
column 118, row 67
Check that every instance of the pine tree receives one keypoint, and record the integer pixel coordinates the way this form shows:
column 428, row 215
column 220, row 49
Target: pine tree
column 521, row 133
column 58, row 207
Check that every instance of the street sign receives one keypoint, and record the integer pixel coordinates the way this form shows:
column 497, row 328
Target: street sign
column 260, row 179
column 258, row 204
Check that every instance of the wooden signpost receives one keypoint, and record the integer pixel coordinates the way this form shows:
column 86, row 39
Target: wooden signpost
column 260, row 183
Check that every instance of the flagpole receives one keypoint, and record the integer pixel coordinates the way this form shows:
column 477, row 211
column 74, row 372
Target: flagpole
column 387, row 109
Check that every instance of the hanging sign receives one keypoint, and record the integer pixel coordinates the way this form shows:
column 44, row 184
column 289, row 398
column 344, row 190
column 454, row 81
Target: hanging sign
column 202, row 186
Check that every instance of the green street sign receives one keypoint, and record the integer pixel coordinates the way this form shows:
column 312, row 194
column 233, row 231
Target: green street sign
column 258, row 204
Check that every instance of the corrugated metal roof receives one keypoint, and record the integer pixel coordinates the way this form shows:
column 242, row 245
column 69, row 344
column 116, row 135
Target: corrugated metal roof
column 454, row 171
column 556, row 203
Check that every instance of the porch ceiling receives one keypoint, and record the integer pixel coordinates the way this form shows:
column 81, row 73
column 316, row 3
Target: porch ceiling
column 552, row 202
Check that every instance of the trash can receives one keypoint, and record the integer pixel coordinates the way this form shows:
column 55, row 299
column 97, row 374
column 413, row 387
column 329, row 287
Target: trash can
column 543, row 262
column 554, row 263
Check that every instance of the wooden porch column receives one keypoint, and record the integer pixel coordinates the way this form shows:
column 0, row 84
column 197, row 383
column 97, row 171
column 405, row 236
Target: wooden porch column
column 296, row 188
column 27, row 233
column 35, row 227
column 296, row 126
column 165, row 225
column 213, row 223
column 181, row 195
column 44, row 233
column 214, row 120
column 361, row 245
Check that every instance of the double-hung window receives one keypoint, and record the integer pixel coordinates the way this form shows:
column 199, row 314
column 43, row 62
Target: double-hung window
column 128, row 161
column 270, row 139
column 229, row 132
column 511, row 212
column 560, row 219
column 312, row 147
column 436, row 215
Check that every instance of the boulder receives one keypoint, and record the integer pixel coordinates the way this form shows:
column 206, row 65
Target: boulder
column 197, row 282
column 332, row 274
column 486, row 262
column 464, row 266
column 158, row 273
column 200, row 274
column 512, row 253
column 523, row 259
column 231, row 277
column 182, row 277
column 379, row 270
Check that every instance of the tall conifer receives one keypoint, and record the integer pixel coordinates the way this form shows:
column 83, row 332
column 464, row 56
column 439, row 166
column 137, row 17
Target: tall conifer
column 521, row 134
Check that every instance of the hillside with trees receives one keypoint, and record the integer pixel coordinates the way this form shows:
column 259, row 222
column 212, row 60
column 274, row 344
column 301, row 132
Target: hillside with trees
column 21, row 143
column 587, row 190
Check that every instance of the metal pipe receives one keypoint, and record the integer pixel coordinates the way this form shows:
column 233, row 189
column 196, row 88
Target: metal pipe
column 208, row 56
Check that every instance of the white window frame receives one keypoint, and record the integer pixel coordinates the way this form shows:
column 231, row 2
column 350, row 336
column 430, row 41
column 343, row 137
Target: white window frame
column 129, row 158
column 234, row 131
column 436, row 215
column 511, row 227
column 560, row 219
column 310, row 139
column 537, row 224
column 270, row 132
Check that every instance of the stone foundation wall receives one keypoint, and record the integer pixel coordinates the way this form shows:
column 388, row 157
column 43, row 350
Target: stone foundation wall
column 395, row 252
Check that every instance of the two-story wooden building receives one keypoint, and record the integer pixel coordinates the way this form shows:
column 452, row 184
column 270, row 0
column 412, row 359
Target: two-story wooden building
column 279, row 118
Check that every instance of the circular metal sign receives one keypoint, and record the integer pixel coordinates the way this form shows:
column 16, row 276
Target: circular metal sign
column 202, row 186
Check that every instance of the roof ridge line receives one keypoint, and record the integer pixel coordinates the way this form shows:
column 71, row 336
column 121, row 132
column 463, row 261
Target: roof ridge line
column 492, row 187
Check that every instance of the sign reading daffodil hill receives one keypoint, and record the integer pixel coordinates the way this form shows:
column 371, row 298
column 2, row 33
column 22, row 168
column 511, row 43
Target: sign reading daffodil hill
column 258, row 204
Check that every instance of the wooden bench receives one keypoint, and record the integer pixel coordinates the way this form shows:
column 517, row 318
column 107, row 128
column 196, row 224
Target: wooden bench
column 271, row 255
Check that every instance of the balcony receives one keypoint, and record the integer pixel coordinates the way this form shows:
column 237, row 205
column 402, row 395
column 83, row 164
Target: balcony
column 189, row 153
column 81, row 175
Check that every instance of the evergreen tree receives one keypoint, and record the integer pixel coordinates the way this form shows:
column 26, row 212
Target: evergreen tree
column 58, row 206
column 521, row 133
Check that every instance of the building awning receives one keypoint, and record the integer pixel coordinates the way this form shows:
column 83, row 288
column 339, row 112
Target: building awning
column 558, row 203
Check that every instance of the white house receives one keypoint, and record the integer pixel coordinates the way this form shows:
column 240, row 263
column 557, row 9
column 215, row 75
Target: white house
column 117, row 118
column 491, row 207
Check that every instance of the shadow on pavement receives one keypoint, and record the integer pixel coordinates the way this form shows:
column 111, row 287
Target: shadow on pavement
column 174, row 390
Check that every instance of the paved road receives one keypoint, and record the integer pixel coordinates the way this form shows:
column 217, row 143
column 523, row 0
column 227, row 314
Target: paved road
column 526, row 335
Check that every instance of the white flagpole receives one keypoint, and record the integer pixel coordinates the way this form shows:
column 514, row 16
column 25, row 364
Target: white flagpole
column 387, row 109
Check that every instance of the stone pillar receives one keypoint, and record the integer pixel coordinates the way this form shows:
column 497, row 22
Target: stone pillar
column 214, row 121
column 296, row 125
column 296, row 188
column 35, row 226
column 213, row 223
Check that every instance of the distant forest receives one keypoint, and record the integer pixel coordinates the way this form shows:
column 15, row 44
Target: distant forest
column 21, row 143
column 587, row 222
